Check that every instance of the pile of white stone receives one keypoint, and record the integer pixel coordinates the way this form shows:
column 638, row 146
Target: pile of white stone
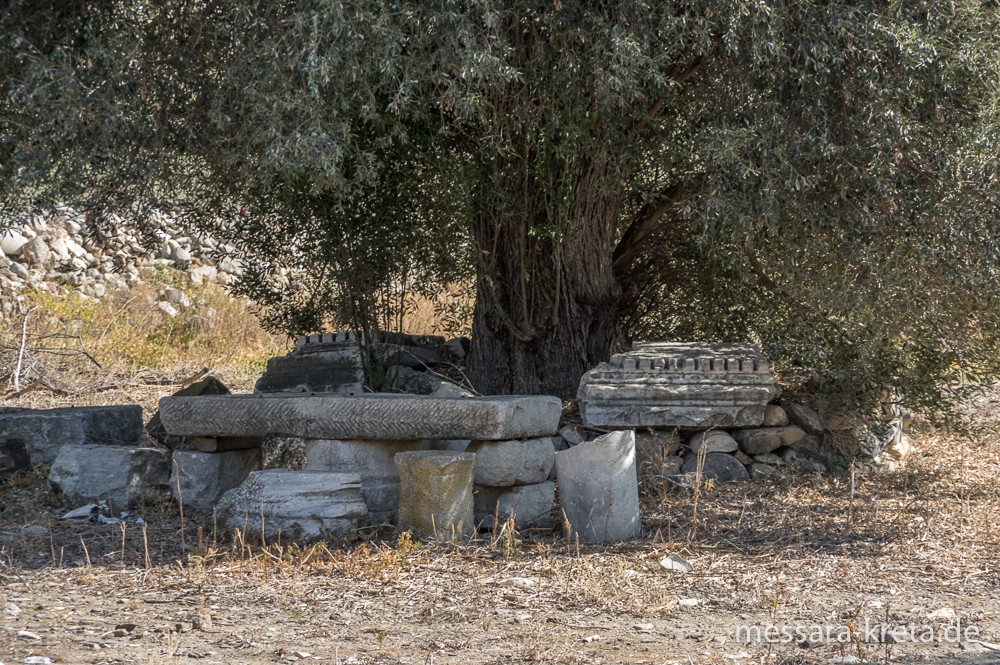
column 59, row 253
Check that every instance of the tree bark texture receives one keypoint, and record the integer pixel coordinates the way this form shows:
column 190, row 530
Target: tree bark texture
column 546, row 305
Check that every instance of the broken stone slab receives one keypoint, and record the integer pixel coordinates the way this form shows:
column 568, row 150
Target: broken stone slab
column 714, row 441
column 721, row 467
column 397, row 417
column 435, row 493
column 516, row 462
column 45, row 431
column 205, row 477
column 298, row 505
column 768, row 439
column 690, row 386
column 373, row 461
column 121, row 475
column 530, row 505
column 598, row 488
column 316, row 367
column 208, row 385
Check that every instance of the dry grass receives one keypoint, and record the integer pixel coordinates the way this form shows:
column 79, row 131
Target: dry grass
column 123, row 348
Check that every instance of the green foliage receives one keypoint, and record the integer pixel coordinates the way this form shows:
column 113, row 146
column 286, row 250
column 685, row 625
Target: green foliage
column 818, row 177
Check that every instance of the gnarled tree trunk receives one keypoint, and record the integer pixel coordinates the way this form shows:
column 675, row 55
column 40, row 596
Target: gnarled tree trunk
column 546, row 307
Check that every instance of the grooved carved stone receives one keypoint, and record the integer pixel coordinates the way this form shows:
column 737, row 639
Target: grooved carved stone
column 395, row 417
column 670, row 385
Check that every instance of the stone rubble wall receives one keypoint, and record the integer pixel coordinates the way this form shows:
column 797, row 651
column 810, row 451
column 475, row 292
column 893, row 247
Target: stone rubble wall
column 60, row 253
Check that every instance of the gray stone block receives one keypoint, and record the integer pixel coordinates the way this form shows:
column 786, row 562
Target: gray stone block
column 435, row 495
column 516, row 462
column 768, row 439
column 298, row 505
column 598, row 488
column 531, row 505
column 123, row 476
column 721, row 467
column 45, row 431
column 397, row 417
column 692, row 386
column 373, row 462
column 205, row 477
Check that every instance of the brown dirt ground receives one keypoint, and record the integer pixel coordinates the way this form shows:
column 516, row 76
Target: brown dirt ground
column 790, row 552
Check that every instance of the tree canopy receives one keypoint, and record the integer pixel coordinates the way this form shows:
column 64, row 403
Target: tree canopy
column 818, row 177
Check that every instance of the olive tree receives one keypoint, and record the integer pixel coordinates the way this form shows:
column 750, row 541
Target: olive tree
column 818, row 177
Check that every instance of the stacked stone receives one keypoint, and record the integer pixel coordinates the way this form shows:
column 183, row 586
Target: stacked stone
column 512, row 482
column 681, row 398
column 362, row 440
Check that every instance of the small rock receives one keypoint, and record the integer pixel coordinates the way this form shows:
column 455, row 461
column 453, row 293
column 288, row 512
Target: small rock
column 28, row 635
column 518, row 582
column 676, row 563
column 11, row 609
column 775, row 416
column 19, row 269
column 943, row 613
column 175, row 297
column 167, row 309
column 11, row 242
column 689, row 602
column 643, row 627
column 573, row 435
column 38, row 660
column 35, row 531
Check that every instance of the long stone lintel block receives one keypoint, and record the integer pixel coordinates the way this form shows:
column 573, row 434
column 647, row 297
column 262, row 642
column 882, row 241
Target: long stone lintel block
column 395, row 417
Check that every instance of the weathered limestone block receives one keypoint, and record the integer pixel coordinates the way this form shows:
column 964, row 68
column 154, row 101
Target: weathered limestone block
column 720, row 467
column 301, row 505
column 374, row 463
column 692, row 386
column 516, row 462
column 714, row 441
column 329, row 363
column 44, row 431
column 598, row 488
column 531, row 505
column 768, row 439
column 122, row 475
column 205, row 477
column 380, row 416
column 435, row 494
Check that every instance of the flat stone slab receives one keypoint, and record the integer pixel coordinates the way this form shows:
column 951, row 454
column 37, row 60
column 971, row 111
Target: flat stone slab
column 125, row 476
column 691, row 386
column 395, row 417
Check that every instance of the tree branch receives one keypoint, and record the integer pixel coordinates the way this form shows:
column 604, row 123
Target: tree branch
column 630, row 245
column 678, row 76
